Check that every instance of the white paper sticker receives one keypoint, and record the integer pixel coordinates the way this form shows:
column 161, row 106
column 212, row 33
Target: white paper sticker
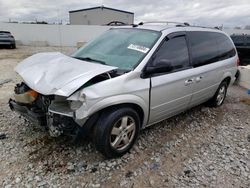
column 138, row 48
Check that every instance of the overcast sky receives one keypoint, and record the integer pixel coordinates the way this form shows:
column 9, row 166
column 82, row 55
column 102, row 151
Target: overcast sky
column 230, row 13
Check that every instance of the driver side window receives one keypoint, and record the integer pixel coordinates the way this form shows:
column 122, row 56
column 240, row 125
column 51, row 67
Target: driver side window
column 175, row 51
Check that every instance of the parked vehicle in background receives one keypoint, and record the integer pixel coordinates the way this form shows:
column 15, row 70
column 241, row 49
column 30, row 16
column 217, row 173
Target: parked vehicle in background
column 7, row 39
column 242, row 44
column 116, row 23
column 127, row 79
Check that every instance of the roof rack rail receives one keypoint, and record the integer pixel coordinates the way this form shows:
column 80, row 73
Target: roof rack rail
column 206, row 27
column 177, row 24
column 165, row 22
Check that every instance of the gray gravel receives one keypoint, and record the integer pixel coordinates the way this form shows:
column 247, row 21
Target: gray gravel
column 203, row 147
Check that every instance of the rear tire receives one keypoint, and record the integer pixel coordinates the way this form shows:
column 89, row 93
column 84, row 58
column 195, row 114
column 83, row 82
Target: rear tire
column 219, row 96
column 116, row 131
column 12, row 46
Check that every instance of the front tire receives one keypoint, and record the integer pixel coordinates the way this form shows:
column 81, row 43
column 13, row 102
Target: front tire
column 116, row 131
column 219, row 96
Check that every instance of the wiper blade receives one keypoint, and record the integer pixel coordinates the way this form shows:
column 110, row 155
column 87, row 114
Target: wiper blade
column 91, row 59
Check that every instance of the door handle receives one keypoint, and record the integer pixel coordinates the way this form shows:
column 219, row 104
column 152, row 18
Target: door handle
column 188, row 82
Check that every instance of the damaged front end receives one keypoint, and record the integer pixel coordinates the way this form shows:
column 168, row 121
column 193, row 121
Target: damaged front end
column 40, row 109
column 49, row 81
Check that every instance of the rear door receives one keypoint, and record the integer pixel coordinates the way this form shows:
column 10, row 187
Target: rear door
column 203, row 52
column 208, row 51
column 171, row 91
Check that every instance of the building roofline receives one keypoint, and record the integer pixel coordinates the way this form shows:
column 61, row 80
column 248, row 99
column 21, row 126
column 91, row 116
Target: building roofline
column 80, row 10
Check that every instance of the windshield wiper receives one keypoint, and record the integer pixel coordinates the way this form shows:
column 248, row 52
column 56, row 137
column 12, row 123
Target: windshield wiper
column 91, row 59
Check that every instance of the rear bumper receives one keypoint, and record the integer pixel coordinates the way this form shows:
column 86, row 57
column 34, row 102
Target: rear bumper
column 37, row 118
column 2, row 42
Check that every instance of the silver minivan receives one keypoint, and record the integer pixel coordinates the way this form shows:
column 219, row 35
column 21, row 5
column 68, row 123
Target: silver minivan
column 127, row 79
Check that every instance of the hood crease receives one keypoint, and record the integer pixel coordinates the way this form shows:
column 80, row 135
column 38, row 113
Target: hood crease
column 54, row 73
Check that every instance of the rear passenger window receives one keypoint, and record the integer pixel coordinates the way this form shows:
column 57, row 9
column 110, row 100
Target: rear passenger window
column 209, row 47
column 226, row 47
column 174, row 51
column 203, row 48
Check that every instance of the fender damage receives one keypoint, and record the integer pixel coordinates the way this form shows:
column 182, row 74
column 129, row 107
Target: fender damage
column 48, row 80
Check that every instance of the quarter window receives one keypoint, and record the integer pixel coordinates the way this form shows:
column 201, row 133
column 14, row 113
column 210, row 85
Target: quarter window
column 174, row 51
column 209, row 47
column 226, row 48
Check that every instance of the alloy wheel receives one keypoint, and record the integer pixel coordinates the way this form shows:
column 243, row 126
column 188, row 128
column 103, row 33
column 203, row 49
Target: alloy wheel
column 122, row 133
column 221, row 95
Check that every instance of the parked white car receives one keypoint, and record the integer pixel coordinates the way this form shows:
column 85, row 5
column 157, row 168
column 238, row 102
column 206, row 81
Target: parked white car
column 127, row 79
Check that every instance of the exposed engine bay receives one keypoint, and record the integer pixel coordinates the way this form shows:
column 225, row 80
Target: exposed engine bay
column 53, row 112
column 34, row 106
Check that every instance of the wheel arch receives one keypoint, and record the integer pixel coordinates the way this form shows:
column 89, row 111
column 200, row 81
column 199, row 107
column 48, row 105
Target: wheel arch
column 227, row 79
column 134, row 106
column 128, row 100
column 87, row 129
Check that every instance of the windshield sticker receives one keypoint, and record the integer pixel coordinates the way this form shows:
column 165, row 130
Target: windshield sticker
column 138, row 48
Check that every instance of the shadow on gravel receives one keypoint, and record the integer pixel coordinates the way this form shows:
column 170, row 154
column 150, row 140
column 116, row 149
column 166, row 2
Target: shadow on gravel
column 245, row 100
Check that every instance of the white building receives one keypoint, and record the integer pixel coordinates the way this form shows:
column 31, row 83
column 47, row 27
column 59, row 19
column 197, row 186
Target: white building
column 99, row 16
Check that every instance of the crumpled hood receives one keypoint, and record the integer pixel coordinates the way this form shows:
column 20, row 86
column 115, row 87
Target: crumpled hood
column 57, row 74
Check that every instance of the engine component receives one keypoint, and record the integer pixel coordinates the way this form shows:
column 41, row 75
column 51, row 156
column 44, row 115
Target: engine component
column 54, row 130
column 58, row 125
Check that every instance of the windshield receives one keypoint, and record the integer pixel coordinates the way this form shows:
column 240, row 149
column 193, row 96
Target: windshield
column 122, row 48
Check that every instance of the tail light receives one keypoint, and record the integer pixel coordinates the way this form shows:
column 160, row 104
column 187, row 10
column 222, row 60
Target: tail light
column 238, row 62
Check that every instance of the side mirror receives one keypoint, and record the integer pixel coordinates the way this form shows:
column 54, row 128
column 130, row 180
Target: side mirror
column 161, row 66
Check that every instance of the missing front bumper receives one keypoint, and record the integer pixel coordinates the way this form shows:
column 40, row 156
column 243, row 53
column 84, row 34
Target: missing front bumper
column 57, row 123
column 37, row 118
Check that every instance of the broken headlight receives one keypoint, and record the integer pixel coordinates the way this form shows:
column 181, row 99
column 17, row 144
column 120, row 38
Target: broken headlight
column 77, row 96
column 27, row 97
column 77, row 100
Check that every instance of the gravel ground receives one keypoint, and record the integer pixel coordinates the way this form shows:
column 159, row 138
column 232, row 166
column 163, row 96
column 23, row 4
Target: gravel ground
column 203, row 147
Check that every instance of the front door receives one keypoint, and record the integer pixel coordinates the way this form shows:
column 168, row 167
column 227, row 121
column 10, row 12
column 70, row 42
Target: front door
column 171, row 91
